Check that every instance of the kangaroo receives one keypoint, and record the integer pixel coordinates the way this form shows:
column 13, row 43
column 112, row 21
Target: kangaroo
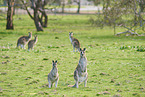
column 75, row 42
column 80, row 73
column 53, row 76
column 23, row 40
column 32, row 43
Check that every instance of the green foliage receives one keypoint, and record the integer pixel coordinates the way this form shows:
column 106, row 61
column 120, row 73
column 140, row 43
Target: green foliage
column 1, row 2
column 141, row 49
column 112, row 72
column 120, row 12
column 138, row 48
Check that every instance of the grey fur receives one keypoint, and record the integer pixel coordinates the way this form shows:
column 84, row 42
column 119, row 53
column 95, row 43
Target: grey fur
column 53, row 76
column 75, row 42
column 23, row 40
column 32, row 43
column 80, row 73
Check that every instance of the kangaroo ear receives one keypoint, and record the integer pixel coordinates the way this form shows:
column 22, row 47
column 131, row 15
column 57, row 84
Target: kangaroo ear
column 52, row 61
column 80, row 49
column 30, row 33
column 56, row 61
column 84, row 49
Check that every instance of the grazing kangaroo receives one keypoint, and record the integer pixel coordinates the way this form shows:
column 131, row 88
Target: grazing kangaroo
column 23, row 40
column 32, row 43
column 75, row 42
column 53, row 75
column 80, row 73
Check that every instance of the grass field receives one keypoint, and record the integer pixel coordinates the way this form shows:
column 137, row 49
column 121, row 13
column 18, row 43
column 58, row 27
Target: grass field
column 116, row 65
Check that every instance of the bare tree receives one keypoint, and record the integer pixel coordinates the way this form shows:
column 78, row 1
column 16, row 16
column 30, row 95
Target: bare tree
column 10, row 14
column 44, row 18
column 63, row 5
column 35, row 6
column 39, row 13
column 79, row 5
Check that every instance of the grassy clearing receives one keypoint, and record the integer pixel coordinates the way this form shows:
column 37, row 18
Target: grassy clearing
column 115, row 66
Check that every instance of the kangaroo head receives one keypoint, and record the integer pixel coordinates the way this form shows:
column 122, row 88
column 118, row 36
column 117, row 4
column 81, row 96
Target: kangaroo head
column 70, row 33
column 30, row 34
column 54, row 63
column 82, row 52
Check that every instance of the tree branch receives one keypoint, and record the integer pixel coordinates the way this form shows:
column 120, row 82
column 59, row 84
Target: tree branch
column 127, row 32
column 27, row 9
column 129, row 28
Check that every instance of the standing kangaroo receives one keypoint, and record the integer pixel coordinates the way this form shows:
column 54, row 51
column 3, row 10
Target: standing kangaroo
column 32, row 43
column 53, row 75
column 80, row 73
column 23, row 40
column 75, row 42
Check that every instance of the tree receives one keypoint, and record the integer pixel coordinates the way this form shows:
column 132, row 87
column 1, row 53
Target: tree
column 142, row 5
column 115, row 13
column 35, row 6
column 39, row 14
column 62, row 3
column 79, row 5
column 10, row 14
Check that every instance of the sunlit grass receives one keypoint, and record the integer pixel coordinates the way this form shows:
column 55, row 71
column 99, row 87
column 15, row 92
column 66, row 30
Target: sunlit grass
column 114, row 63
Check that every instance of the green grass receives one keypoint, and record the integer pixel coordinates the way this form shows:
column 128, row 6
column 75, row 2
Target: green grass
column 115, row 64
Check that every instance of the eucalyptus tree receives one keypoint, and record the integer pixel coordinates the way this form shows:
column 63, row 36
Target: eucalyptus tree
column 142, row 5
column 63, row 3
column 120, row 13
column 10, row 10
column 79, row 5
column 39, row 12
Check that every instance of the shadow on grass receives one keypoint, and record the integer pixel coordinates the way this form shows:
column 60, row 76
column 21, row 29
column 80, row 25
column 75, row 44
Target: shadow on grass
column 117, row 37
column 2, row 32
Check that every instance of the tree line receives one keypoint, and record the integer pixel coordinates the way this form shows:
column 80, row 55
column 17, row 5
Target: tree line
column 112, row 14
column 125, row 13
column 39, row 15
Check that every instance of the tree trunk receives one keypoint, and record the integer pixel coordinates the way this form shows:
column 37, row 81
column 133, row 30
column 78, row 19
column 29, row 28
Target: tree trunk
column 38, row 7
column 37, row 22
column 114, row 28
column 63, row 5
column 14, row 10
column 45, row 20
column 36, row 17
column 10, row 14
column 79, row 6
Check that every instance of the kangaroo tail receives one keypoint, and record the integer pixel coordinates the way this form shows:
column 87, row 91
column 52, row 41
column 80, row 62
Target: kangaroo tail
column 73, row 86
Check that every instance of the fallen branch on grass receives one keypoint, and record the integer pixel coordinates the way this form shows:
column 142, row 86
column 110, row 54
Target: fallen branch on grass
column 128, row 33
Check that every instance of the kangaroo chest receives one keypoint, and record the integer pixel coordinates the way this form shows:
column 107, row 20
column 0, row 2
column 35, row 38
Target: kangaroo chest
column 71, row 39
column 83, row 64
column 54, row 72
